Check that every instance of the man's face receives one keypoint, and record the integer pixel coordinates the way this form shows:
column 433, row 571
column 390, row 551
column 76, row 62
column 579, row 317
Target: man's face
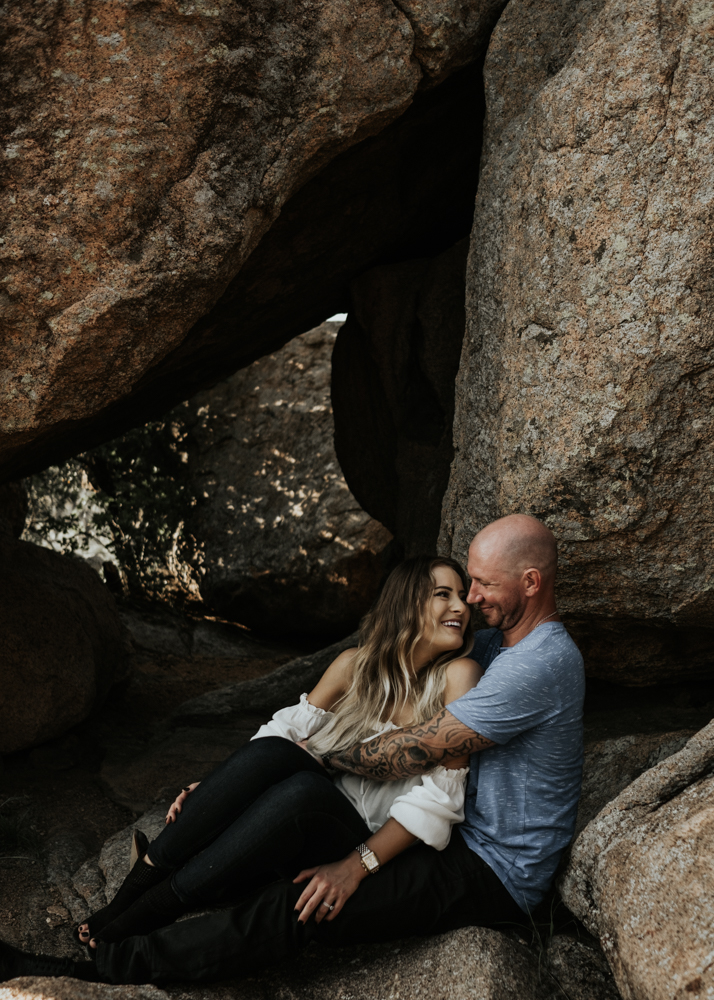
column 499, row 594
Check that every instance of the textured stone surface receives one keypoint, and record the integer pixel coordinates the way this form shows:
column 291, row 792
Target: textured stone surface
column 170, row 761
column 32, row 988
column 13, row 508
column 640, row 878
column 611, row 765
column 394, row 367
column 585, row 389
column 261, row 695
column 147, row 155
column 157, row 633
column 470, row 963
column 63, row 643
column 578, row 970
column 285, row 546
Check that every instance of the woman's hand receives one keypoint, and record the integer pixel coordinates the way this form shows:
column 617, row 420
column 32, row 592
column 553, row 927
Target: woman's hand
column 175, row 807
column 329, row 884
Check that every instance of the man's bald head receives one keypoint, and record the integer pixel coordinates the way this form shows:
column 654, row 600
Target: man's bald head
column 516, row 543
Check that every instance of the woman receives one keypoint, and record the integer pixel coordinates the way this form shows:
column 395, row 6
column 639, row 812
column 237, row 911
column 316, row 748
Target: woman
column 224, row 837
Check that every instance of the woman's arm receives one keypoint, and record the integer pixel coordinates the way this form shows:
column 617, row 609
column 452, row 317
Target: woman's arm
column 334, row 682
column 299, row 722
column 335, row 883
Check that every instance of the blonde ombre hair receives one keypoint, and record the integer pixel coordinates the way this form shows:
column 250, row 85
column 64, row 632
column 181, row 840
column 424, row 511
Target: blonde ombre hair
column 382, row 679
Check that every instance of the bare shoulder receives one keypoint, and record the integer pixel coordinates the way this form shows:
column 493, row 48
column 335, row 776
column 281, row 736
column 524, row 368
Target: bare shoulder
column 342, row 666
column 461, row 675
column 334, row 682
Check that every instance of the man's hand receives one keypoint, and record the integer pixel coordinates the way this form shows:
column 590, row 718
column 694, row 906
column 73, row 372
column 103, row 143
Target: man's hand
column 413, row 750
column 329, row 884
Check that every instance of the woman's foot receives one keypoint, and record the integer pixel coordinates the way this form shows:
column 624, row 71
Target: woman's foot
column 142, row 877
column 156, row 908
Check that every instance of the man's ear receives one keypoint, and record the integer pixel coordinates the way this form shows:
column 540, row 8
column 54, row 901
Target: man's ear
column 531, row 581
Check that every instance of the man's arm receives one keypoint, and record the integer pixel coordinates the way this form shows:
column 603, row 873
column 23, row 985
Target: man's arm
column 414, row 750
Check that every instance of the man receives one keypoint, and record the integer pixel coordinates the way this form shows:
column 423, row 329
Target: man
column 522, row 725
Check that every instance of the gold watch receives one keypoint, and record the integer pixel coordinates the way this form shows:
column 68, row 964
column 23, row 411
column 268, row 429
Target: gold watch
column 369, row 859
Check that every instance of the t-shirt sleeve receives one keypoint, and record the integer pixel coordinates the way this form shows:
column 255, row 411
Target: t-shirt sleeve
column 511, row 697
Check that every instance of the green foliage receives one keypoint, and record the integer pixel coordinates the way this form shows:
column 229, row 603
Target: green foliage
column 127, row 502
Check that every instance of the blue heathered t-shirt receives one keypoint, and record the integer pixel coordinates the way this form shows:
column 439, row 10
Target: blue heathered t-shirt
column 522, row 794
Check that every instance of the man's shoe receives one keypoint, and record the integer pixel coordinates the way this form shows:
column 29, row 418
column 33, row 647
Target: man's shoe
column 14, row 963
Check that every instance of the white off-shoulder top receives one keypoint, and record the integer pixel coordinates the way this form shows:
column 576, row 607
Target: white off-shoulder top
column 427, row 805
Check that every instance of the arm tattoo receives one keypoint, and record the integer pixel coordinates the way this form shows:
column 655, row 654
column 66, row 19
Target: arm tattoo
column 414, row 750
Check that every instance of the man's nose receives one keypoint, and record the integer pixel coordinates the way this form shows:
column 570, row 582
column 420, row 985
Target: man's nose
column 473, row 596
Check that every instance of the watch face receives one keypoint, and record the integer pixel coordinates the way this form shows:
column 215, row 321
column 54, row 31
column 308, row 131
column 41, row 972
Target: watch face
column 371, row 861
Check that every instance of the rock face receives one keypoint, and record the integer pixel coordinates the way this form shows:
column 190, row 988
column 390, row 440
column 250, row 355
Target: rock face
column 13, row 509
column 640, row 877
column 261, row 695
column 578, row 971
column 203, row 731
column 472, row 962
column 586, row 386
column 34, row 988
column 611, row 765
column 285, row 545
column 394, row 367
column 148, row 155
column 63, row 643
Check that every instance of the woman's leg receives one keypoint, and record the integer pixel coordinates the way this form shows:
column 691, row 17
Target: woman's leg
column 301, row 822
column 220, row 799
column 225, row 794
column 296, row 824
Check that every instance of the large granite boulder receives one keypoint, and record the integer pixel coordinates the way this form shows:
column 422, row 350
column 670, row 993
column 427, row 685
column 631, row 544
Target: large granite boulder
column 585, row 390
column 148, row 154
column 640, row 877
column 611, row 765
column 63, row 642
column 285, row 547
column 393, row 373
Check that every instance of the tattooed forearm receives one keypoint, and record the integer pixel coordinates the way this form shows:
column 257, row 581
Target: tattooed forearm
column 414, row 750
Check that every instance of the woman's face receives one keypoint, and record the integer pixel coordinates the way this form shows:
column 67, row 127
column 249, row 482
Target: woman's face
column 446, row 613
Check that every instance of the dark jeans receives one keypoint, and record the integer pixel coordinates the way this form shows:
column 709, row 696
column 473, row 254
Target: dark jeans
column 297, row 821
column 270, row 809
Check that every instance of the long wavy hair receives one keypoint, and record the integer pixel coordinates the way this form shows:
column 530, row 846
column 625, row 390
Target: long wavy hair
column 383, row 681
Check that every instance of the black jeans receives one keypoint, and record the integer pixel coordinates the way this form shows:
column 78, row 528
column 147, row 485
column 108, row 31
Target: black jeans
column 282, row 822
column 270, row 809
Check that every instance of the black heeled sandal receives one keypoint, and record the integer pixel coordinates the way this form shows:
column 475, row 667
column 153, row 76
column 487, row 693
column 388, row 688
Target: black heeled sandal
column 158, row 907
column 140, row 879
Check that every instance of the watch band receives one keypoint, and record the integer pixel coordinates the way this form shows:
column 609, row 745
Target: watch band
column 370, row 861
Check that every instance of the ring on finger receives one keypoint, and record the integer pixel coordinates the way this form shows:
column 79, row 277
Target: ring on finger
column 330, row 906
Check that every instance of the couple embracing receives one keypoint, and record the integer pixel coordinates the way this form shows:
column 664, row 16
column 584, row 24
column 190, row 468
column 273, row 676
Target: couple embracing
column 428, row 782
